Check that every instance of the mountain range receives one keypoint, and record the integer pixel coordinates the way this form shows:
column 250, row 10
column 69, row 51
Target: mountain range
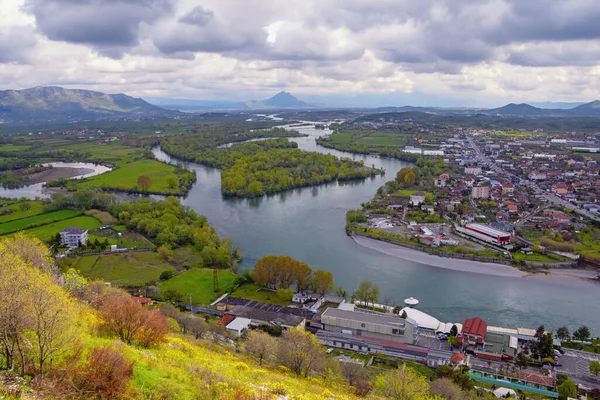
column 59, row 104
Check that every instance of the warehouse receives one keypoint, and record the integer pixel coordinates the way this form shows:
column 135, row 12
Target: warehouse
column 488, row 234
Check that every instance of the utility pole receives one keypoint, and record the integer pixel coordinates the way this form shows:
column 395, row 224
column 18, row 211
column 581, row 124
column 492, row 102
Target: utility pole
column 190, row 295
column 215, row 279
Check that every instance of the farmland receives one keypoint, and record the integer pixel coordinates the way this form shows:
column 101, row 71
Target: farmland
column 12, row 210
column 46, row 232
column 199, row 283
column 125, row 178
column 123, row 269
column 36, row 220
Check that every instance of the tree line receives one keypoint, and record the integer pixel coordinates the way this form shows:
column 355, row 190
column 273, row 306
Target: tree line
column 283, row 272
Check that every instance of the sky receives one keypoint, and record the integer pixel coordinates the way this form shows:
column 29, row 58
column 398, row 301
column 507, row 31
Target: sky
column 481, row 53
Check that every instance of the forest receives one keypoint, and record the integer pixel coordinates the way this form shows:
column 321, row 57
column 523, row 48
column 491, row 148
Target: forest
column 256, row 168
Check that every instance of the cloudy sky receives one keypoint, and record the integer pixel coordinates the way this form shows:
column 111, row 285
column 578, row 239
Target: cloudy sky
column 336, row 52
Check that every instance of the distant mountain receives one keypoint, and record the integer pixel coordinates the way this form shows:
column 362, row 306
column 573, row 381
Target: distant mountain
column 282, row 100
column 522, row 109
column 556, row 104
column 592, row 108
column 59, row 104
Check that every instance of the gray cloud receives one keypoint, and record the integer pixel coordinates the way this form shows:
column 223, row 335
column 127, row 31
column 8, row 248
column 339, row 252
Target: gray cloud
column 198, row 16
column 16, row 44
column 109, row 26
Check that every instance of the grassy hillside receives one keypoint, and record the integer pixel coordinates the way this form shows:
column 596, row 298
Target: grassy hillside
column 199, row 283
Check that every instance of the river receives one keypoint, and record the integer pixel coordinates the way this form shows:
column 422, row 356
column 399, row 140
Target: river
column 308, row 224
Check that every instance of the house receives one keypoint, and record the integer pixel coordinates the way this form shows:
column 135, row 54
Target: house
column 73, row 237
column 144, row 301
column 265, row 314
column 480, row 192
column 508, row 188
column 238, row 326
column 560, row 188
column 473, row 170
column 537, row 175
column 417, row 198
column 512, row 208
column 442, row 180
column 473, row 331
column 379, row 326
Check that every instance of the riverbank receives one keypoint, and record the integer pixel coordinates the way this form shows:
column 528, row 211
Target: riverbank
column 477, row 267
column 53, row 173
column 420, row 257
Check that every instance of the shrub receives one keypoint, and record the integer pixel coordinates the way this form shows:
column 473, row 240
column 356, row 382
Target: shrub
column 165, row 275
column 362, row 388
column 105, row 374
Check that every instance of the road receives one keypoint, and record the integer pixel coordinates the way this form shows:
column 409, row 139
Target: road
column 548, row 196
column 576, row 364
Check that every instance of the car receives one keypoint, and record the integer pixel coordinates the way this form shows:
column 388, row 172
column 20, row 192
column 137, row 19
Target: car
column 329, row 350
column 442, row 336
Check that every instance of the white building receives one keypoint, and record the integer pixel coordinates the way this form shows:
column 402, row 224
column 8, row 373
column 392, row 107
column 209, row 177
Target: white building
column 238, row 325
column 72, row 237
column 417, row 198
column 473, row 170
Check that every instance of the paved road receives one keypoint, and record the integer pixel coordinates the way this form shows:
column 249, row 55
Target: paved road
column 548, row 196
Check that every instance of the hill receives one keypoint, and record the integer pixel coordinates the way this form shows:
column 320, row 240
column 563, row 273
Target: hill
column 592, row 108
column 59, row 104
column 519, row 109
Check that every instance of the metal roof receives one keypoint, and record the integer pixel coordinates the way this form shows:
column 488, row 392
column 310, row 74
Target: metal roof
column 372, row 318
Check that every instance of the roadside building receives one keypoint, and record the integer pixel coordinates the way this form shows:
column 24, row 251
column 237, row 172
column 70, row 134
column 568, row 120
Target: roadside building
column 486, row 233
column 73, row 237
column 480, row 192
column 388, row 327
column 473, row 332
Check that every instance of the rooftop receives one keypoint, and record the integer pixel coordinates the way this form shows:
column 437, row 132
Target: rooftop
column 74, row 231
column 422, row 319
column 238, row 324
column 475, row 326
column 372, row 318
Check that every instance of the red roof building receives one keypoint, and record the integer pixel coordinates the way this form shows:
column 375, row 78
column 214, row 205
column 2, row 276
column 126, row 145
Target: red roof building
column 142, row 300
column 473, row 332
column 225, row 319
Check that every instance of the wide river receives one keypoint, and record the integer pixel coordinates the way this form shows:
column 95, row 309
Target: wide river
column 308, row 224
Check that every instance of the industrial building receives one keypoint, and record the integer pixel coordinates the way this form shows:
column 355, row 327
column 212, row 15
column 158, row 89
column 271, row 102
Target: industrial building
column 487, row 234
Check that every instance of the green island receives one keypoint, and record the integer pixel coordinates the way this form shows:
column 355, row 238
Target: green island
column 257, row 168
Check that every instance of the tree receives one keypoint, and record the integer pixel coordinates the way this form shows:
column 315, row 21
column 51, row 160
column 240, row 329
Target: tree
column 595, row 368
column 323, row 281
column 164, row 252
column 172, row 295
column 454, row 331
column 546, row 346
column 539, row 332
column 563, row 333
column 353, row 372
column 261, row 345
column 154, row 328
column 166, row 275
column 567, row 389
column 453, row 341
column 285, row 294
column 24, row 205
column 367, row 292
column 582, row 333
column 300, row 351
column 144, row 182
column 171, row 182
column 105, row 374
column 446, row 389
column 403, row 384
column 31, row 250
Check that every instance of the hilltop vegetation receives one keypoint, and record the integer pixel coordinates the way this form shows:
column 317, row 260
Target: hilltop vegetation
column 257, row 168
column 82, row 340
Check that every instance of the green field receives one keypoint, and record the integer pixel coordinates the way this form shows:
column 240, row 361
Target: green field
column 125, row 177
column 123, row 269
column 255, row 292
column 41, row 219
column 199, row 283
column 13, row 148
column 46, row 232
column 407, row 192
column 37, row 207
column 129, row 239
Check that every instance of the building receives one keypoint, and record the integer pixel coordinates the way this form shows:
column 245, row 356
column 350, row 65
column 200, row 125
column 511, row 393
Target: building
column 388, row 327
column 473, row 332
column 508, row 188
column 265, row 314
column 417, row 198
column 537, row 176
column 238, row 326
column 473, row 170
column 560, row 188
column 487, row 234
column 73, row 237
column 480, row 192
